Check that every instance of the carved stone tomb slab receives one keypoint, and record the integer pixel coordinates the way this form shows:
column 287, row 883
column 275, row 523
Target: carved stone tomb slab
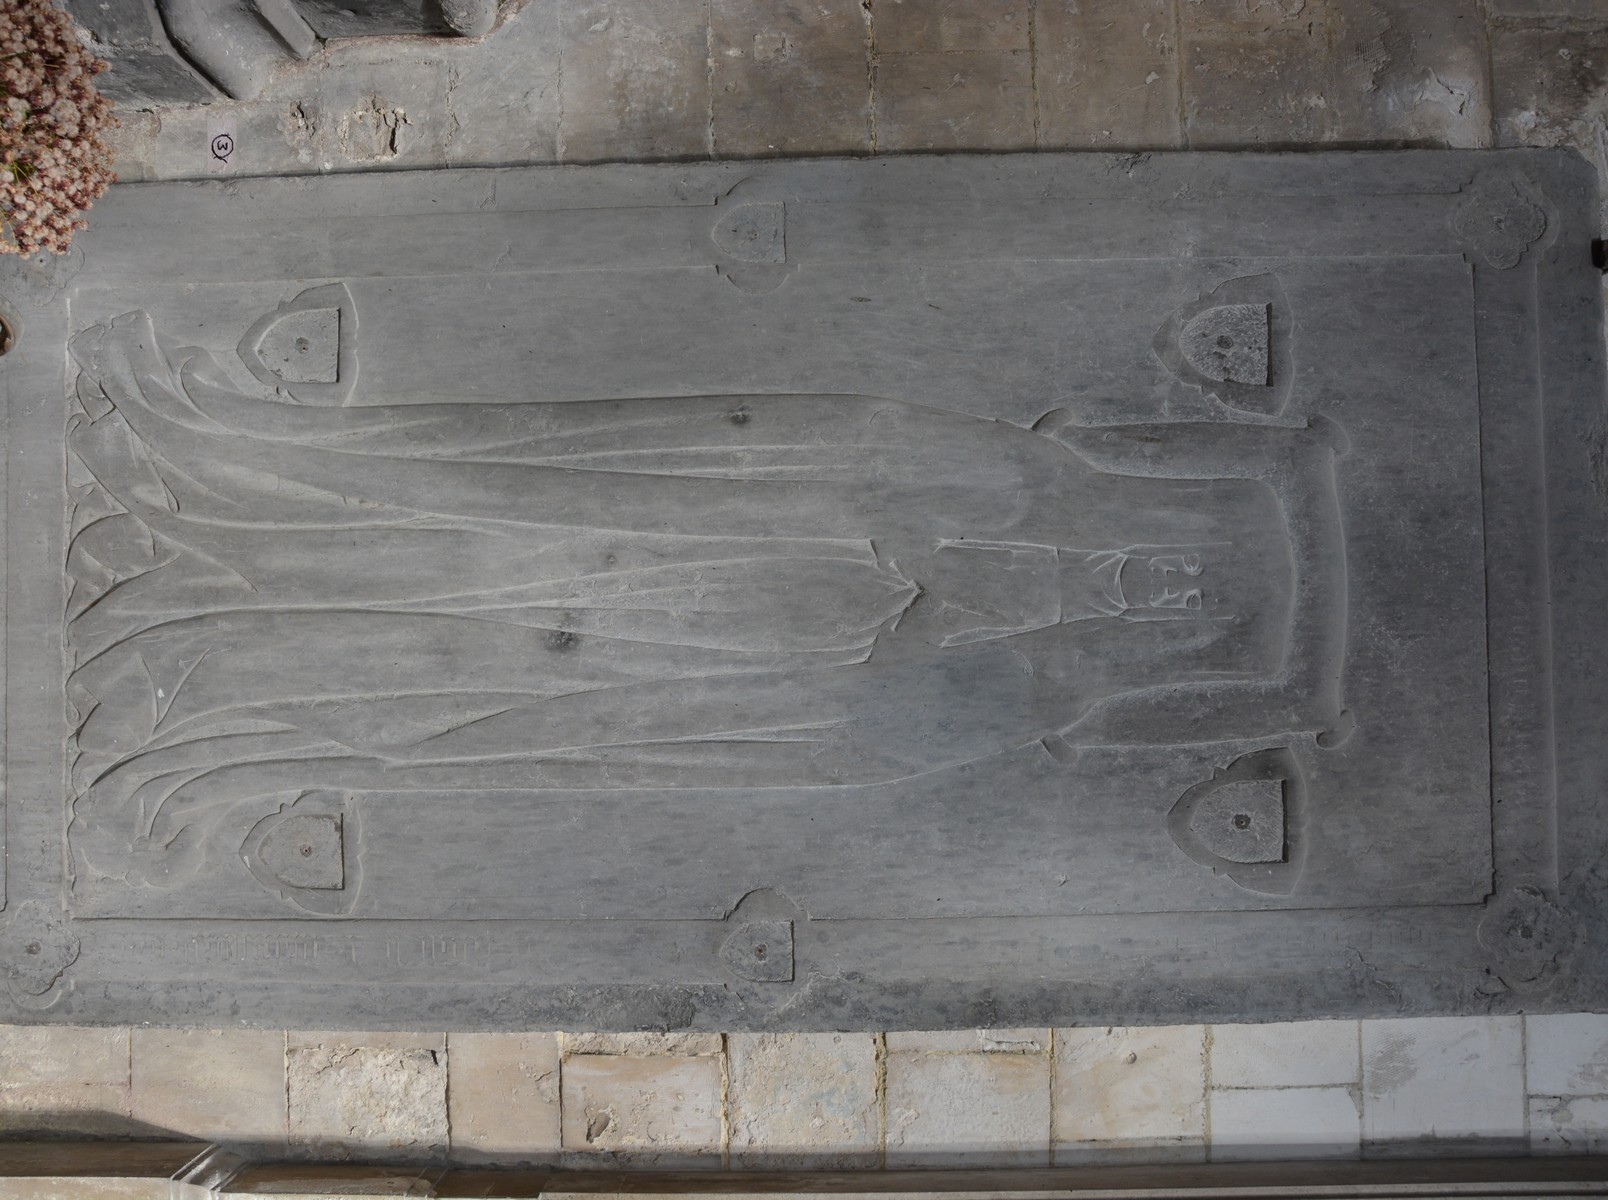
column 896, row 593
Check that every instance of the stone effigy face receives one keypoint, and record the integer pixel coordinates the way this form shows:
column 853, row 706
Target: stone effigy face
column 905, row 592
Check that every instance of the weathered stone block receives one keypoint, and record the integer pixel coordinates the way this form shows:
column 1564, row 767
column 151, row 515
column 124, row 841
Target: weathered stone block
column 980, row 1109
column 1449, row 1078
column 1566, row 1055
column 65, row 1110
column 502, row 1092
column 368, row 1095
column 1286, row 1054
column 1285, row 1122
column 966, row 100
column 642, row 1044
column 658, row 1110
column 1107, row 75
column 970, row 1041
column 211, row 1084
column 910, row 26
column 791, row 77
column 635, row 82
column 62, row 1054
column 804, row 1100
column 1124, row 1088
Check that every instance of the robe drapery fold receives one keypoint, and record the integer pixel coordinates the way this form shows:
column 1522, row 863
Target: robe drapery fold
column 695, row 591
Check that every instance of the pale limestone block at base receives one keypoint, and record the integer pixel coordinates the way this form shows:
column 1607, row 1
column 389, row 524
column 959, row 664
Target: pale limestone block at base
column 89, row 1110
column 979, row 1109
column 650, row 1111
column 211, row 1084
column 1286, row 1054
column 503, row 1093
column 352, row 1099
column 386, row 1039
column 674, row 1044
column 1566, row 1055
column 1130, row 1085
column 1569, row 1124
column 1442, row 1078
column 89, row 1188
column 60, row 1054
column 970, row 1041
column 1292, row 1122
column 803, row 1100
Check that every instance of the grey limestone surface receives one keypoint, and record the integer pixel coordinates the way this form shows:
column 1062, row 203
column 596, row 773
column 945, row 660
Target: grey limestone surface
column 913, row 592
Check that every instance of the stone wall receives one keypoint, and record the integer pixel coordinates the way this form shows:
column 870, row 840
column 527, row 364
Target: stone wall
column 1011, row 1097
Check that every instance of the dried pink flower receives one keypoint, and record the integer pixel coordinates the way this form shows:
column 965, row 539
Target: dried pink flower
column 53, row 161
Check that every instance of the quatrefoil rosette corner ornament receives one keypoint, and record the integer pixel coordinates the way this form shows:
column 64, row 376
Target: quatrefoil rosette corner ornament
column 307, row 347
column 1233, row 344
column 1500, row 219
column 35, row 950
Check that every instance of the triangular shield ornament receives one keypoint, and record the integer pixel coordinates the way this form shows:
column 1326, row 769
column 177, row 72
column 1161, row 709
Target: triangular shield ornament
column 307, row 347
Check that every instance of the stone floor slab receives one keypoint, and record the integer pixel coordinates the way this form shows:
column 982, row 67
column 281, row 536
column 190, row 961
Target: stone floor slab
column 1079, row 387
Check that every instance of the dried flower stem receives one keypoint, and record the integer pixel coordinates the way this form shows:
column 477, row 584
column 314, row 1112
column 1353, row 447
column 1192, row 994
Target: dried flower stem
column 53, row 161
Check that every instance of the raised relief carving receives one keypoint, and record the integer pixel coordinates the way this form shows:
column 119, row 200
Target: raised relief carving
column 1233, row 344
column 307, row 346
column 306, row 852
column 1228, row 343
column 760, row 951
column 1502, row 217
column 275, row 608
column 36, row 950
column 1247, row 822
column 750, row 233
column 1527, row 936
